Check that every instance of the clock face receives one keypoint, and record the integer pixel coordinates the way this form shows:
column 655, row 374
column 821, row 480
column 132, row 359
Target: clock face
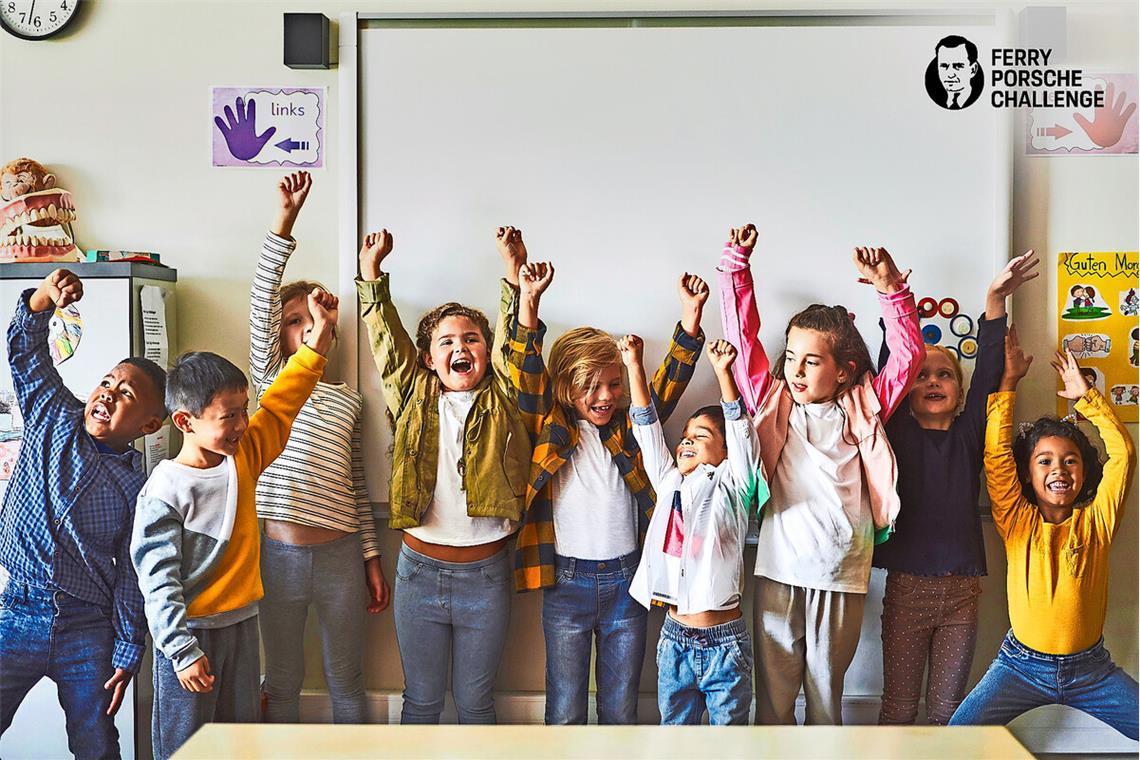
column 36, row 19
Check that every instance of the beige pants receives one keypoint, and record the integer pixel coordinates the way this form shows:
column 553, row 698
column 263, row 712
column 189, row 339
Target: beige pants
column 803, row 636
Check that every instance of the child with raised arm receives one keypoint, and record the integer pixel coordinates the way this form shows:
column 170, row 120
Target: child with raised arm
column 693, row 560
column 1056, row 509
column 458, row 478
column 589, row 498
column 70, row 609
column 196, row 546
column 319, row 547
column 934, row 558
column 819, row 418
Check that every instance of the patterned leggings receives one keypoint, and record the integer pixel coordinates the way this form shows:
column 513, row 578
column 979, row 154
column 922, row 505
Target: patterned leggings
column 927, row 620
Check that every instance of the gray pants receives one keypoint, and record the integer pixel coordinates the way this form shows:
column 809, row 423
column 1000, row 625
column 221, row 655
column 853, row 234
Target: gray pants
column 803, row 636
column 329, row 577
column 234, row 662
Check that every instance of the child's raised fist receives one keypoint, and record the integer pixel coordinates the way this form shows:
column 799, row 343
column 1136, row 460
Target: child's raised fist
column 376, row 247
column 632, row 349
column 721, row 355
column 324, row 308
column 58, row 290
column 292, row 191
column 509, row 241
column 743, row 237
column 693, row 291
column 876, row 267
column 535, row 278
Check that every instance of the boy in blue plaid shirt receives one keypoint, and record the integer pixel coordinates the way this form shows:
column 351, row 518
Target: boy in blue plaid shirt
column 71, row 608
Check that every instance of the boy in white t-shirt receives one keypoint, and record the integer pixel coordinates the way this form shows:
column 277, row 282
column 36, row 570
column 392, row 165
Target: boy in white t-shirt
column 694, row 550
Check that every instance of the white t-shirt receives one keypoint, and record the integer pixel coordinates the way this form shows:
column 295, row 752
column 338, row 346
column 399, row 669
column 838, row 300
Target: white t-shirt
column 595, row 515
column 446, row 521
column 817, row 531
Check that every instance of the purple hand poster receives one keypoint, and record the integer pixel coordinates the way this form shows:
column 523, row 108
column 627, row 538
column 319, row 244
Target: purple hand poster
column 268, row 126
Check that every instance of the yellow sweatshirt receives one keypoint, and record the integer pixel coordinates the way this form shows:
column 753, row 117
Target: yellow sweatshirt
column 1057, row 574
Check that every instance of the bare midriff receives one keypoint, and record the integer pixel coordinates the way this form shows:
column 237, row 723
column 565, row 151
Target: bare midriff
column 454, row 553
column 300, row 535
column 706, row 619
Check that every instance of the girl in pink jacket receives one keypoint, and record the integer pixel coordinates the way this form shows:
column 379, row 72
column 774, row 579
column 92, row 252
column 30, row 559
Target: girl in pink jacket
column 819, row 417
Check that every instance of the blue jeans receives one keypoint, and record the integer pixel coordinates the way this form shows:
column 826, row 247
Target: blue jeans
column 52, row 634
column 329, row 577
column 590, row 599
column 1022, row 678
column 704, row 668
column 455, row 611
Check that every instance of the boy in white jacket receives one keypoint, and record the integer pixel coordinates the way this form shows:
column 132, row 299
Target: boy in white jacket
column 694, row 549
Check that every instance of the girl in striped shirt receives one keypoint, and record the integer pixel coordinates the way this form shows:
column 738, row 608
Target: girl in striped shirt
column 319, row 546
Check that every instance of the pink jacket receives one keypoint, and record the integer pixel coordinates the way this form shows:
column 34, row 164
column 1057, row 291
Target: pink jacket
column 867, row 406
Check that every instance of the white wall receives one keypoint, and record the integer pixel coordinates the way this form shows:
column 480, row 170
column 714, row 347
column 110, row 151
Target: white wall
column 118, row 107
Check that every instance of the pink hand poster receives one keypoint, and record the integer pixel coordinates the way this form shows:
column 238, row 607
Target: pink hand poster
column 1110, row 129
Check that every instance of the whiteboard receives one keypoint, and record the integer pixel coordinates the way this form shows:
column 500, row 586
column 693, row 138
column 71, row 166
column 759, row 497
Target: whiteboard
column 625, row 153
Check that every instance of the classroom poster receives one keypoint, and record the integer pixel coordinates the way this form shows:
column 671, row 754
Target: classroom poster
column 1097, row 319
column 270, row 127
column 1105, row 130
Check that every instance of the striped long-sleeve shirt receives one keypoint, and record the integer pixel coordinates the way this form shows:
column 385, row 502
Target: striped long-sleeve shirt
column 319, row 479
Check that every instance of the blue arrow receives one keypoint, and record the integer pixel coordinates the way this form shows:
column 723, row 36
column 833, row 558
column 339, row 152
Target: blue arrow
column 289, row 145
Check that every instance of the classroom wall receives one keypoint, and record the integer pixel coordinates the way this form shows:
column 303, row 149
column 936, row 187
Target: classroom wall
column 118, row 108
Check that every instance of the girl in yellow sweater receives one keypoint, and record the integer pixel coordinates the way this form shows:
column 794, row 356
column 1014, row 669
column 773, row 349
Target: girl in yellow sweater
column 1056, row 508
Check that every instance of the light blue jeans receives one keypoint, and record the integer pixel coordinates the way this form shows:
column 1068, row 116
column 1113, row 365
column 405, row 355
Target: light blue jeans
column 1022, row 678
column 455, row 611
column 329, row 577
column 704, row 668
column 591, row 601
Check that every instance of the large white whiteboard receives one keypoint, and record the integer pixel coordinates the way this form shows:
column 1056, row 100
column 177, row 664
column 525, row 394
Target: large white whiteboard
column 626, row 152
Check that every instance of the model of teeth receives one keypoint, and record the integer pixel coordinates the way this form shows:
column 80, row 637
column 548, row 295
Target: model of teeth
column 32, row 217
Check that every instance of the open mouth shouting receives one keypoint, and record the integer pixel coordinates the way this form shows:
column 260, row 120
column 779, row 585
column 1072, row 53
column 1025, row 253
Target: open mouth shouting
column 462, row 366
column 100, row 413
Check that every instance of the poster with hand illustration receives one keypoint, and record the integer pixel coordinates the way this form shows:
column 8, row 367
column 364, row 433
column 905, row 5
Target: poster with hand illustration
column 267, row 127
column 1097, row 321
column 1107, row 130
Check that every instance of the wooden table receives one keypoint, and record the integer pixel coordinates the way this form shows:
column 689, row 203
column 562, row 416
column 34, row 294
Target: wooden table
column 621, row 743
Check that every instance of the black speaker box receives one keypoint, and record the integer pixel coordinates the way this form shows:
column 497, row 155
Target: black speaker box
column 306, row 41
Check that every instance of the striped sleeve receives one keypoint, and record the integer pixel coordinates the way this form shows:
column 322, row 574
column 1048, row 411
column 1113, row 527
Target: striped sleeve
column 265, row 310
column 364, row 519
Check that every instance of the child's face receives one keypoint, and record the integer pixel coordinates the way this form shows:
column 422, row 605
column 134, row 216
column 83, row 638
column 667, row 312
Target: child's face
column 598, row 405
column 222, row 424
column 296, row 323
column 1078, row 292
column 810, row 368
column 936, row 393
column 458, row 353
column 702, row 443
column 1056, row 471
column 122, row 407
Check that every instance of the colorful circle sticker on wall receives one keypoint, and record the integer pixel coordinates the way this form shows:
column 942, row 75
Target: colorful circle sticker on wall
column 962, row 325
column 927, row 307
column 954, row 350
column 931, row 334
column 64, row 333
column 968, row 347
column 948, row 307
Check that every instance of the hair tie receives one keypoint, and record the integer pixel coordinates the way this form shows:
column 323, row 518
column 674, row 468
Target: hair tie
column 1023, row 428
column 1070, row 418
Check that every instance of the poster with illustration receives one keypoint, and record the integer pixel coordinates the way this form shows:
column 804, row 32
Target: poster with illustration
column 1097, row 319
column 1108, row 129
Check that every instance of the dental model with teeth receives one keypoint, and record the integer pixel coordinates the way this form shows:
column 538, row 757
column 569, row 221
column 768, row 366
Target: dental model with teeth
column 819, row 417
column 693, row 562
column 589, row 498
column 1056, row 508
column 319, row 549
column 936, row 554
column 71, row 609
column 196, row 544
column 33, row 215
column 459, row 470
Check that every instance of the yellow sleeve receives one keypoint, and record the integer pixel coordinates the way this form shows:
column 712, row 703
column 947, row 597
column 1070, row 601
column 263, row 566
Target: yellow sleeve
column 269, row 426
column 1108, row 504
column 1004, row 488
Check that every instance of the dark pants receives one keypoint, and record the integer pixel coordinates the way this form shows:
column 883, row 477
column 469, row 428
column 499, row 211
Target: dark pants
column 589, row 602
column 929, row 623
column 235, row 663
column 50, row 634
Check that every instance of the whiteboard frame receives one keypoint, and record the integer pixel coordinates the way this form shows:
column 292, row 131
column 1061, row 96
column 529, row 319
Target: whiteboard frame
column 351, row 23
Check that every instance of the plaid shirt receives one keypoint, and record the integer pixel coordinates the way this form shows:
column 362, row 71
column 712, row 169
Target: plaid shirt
column 66, row 520
column 555, row 436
